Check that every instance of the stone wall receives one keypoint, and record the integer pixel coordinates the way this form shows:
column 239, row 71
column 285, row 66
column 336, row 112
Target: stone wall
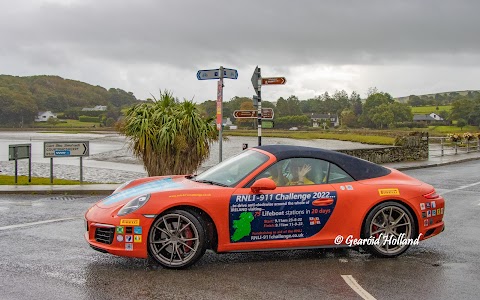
column 407, row 148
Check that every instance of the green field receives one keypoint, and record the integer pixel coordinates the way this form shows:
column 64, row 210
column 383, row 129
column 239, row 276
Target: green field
column 452, row 129
column 430, row 109
column 351, row 137
column 68, row 124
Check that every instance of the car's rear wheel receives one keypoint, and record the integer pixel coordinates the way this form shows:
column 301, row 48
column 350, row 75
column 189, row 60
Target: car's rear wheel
column 177, row 239
column 390, row 224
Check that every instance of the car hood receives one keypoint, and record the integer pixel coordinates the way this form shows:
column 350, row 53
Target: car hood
column 162, row 184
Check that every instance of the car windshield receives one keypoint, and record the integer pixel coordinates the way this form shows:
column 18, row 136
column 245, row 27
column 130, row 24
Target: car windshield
column 231, row 171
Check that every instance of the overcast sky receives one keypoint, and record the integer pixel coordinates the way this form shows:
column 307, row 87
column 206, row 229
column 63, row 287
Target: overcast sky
column 400, row 47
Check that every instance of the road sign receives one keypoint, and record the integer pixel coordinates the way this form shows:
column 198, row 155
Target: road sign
column 267, row 113
column 215, row 74
column 273, row 80
column 255, row 77
column 19, row 151
column 65, row 149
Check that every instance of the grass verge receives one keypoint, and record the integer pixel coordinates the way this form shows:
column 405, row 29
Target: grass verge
column 308, row 135
column 23, row 180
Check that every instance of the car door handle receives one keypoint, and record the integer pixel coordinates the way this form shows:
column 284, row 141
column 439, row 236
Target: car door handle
column 323, row 202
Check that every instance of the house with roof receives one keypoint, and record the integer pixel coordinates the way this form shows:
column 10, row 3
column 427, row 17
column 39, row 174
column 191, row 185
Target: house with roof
column 329, row 120
column 427, row 118
column 43, row 116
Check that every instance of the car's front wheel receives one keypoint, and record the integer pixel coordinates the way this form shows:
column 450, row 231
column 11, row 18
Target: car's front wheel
column 177, row 239
column 391, row 226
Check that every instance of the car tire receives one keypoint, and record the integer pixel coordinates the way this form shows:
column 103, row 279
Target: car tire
column 386, row 223
column 177, row 239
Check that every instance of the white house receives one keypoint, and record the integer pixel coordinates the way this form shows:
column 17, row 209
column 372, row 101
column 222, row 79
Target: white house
column 436, row 117
column 43, row 116
column 96, row 108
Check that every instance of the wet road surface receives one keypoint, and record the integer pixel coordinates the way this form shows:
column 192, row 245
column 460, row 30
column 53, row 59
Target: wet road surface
column 52, row 261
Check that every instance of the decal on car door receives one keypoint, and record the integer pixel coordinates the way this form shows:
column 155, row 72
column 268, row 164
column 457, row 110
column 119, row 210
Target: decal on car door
column 267, row 217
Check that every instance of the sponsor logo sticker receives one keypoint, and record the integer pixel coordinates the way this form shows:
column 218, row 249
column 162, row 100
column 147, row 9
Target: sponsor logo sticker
column 438, row 211
column 129, row 247
column 120, row 238
column 441, row 210
column 388, row 192
column 119, row 229
column 427, row 204
column 129, row 230
column 424, row 214
column 422, row 206
column 434, row 204
column 128, row 238
column 425, row 222
column 137, row 230
column 434, row 213
column 130, row 222
column 429, row 213
column 137, row 239
column 349, row 187
column 431, row 221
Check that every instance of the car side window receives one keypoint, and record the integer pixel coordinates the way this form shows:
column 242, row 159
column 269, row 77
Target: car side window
column 297, row 171
column 337, row 175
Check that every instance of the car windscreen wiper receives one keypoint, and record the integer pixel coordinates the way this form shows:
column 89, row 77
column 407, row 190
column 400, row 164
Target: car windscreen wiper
column 211, row 182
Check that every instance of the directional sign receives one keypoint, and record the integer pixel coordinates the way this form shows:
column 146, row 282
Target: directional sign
column 267, row 113
column 256, row 75
column 273, row 80
column 65, row 149
column 215, row 74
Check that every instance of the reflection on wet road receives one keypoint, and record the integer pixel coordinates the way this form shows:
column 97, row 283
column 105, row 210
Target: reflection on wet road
column 52, row 260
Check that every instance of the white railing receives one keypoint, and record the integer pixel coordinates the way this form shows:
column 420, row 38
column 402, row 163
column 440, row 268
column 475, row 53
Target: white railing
column 441, row 146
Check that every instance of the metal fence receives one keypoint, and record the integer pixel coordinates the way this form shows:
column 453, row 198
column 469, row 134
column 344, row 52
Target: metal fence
column 442, row 146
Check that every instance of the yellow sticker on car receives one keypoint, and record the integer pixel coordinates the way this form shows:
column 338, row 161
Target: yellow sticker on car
column 388, row 192
column 130, row 222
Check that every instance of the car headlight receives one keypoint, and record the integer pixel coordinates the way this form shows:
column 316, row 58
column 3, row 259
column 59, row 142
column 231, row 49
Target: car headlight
column 133, row 205
column 122, row 186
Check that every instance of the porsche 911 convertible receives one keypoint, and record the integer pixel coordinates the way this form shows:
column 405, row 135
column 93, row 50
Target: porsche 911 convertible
column 265, row 198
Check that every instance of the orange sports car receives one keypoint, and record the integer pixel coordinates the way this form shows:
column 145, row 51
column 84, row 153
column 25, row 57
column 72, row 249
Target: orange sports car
column 268, row 197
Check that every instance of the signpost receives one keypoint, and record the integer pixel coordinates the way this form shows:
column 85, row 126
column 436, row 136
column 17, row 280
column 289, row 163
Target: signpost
column 65, row 149
column 21, row 151
column 257, row 86
column 257, row 82
column 219, row 74
column 215, row 74
column 273, row 80
column 267, row 113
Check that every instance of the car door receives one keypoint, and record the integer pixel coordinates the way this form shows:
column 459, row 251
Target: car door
column 291, row 215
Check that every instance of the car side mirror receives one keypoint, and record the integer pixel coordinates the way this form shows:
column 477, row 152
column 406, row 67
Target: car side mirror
column 263, row 184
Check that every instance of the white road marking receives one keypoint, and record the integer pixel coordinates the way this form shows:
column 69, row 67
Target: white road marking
column 460, row 188
column 37, row 223
column 357, row 288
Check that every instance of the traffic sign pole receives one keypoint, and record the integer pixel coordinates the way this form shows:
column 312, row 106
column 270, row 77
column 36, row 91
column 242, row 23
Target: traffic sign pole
column 257, row 87
column 259, row 120
column 219, row 74
column 220, row 114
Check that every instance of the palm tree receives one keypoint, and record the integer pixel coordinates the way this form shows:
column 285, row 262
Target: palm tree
column 169, row 136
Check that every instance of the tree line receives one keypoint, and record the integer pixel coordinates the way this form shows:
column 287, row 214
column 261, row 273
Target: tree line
column 22, row 98
column 378, row 110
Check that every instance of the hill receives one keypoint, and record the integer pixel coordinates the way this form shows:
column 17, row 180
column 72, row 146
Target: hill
column 21, row 98
column 435, row 96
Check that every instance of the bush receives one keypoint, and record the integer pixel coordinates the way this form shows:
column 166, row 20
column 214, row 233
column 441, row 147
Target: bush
column 88, row 119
